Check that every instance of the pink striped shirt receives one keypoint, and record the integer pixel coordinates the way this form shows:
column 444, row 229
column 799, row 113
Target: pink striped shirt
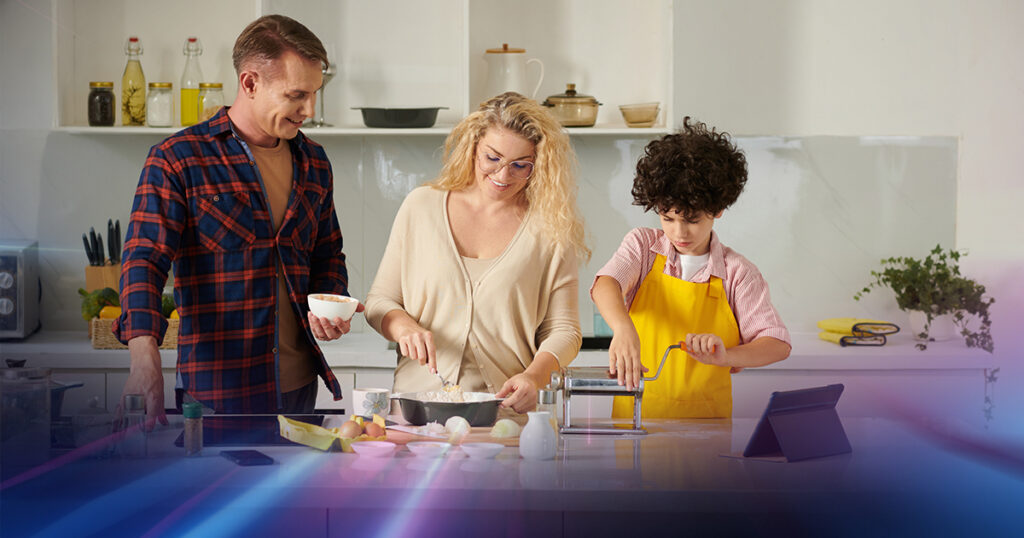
column 745, row 288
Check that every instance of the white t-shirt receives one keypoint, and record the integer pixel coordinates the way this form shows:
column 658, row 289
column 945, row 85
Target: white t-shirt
column 691, row 264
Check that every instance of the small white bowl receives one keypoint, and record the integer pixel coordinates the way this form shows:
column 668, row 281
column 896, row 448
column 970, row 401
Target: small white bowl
column 374, row 449
column 330, row 306
column 428, row 449
column 482, row 451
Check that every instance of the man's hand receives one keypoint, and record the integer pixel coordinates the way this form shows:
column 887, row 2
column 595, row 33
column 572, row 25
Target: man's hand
column 327, row 330
column 146, row 378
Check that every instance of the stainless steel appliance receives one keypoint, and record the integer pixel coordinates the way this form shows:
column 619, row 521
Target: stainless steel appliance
column 596, row 381
column 19, row 288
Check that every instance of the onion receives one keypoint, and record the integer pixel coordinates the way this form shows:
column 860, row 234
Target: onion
column 505, row 428
column 457, row 428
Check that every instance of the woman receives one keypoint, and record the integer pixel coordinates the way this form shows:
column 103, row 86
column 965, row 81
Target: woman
column 479, row 279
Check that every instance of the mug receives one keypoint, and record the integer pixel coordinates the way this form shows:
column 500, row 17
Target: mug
column 370, row 401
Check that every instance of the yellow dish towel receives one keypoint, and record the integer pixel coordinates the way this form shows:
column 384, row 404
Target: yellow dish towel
column 851, row 340
column 858, row 326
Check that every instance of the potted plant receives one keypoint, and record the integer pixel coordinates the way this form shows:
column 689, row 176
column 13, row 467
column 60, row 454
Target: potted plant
column 934, row 287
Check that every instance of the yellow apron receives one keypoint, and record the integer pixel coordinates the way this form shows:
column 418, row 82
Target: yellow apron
column 664, row 310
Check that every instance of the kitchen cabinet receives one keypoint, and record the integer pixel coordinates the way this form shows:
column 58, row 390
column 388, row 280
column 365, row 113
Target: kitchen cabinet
column 399, row 53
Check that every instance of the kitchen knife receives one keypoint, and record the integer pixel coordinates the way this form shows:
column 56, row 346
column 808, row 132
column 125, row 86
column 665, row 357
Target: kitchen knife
column 117, row 236
column 88, row 250
column 99, row 250
column 95, row 247
column 110, row 240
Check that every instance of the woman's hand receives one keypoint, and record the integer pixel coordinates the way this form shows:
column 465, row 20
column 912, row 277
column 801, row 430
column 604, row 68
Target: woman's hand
column 520, row 393
column 706, row 348
column 417, row 343
column 624, row 357
column 327, row 329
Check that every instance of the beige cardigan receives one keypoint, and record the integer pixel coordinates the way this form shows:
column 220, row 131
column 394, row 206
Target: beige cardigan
column 526, row 301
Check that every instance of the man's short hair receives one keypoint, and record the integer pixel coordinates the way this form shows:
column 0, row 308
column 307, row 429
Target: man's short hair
column 268, row 37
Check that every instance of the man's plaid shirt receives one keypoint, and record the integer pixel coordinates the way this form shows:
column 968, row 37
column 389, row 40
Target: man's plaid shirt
column 200, row 205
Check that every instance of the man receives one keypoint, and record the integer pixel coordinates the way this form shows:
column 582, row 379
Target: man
column 242, row 206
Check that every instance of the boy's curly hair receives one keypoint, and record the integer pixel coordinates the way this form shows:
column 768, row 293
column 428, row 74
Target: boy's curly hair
column 693, row 171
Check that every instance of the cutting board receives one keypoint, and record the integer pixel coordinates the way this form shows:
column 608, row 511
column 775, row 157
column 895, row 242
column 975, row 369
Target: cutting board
column 481, row 434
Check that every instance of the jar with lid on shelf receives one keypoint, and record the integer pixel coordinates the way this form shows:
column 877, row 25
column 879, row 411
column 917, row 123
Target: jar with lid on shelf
column 101, row 104
column 160, row 105
column 211, row 98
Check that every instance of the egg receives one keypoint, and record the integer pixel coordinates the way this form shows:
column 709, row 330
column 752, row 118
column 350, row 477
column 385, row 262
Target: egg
column 374, row 430
column 350, row 429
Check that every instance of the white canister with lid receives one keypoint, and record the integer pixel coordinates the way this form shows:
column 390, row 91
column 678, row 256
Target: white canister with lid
column 506, row 72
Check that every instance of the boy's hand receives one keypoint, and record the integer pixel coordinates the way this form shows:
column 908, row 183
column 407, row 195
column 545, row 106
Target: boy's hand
column 706, row 348
column 624, row 357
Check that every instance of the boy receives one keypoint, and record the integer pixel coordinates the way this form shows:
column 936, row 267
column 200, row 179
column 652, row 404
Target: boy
column 680, row 283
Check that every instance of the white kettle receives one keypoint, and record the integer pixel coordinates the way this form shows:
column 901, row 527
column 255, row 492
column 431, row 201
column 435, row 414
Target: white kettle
column 506, row 71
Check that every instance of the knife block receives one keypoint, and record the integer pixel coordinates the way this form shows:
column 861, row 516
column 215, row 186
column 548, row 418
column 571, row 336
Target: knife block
column 98, row 277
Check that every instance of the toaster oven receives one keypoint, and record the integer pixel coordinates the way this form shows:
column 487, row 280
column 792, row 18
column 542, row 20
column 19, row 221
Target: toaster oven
column 19, row 288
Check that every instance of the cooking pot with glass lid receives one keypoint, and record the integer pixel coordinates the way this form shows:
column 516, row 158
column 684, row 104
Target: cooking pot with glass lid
column 573, row 109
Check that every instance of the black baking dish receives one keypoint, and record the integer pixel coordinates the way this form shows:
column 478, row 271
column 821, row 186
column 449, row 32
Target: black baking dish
column 399, row 118
column 478, row 413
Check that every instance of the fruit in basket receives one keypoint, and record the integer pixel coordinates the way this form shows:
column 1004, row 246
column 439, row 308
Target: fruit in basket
column 94, row 301
column 110, row 312
column 167, row 306
column 174, row 314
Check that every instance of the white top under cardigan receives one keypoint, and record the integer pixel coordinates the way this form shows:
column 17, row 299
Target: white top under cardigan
column 525, row 302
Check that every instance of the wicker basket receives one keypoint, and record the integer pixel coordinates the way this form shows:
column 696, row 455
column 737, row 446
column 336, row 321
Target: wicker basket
column 103, row 338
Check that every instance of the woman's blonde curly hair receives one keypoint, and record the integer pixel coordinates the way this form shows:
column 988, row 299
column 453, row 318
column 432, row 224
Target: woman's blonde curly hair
column 551, row 190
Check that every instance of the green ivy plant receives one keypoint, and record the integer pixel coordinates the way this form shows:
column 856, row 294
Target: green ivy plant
column 935, row 287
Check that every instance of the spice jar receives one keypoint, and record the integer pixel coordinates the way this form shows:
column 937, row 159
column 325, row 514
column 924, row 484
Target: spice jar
column 132, row 443
column 193, row 441
column 101, row 104
column 546, row 400
column 211, row 98
column 159, row 105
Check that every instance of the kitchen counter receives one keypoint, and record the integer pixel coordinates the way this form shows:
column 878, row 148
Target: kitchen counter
column 898, row 481
column 947, row 379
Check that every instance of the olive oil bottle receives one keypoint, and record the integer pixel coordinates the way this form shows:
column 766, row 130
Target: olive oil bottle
column 190, row 80
column 133, row 86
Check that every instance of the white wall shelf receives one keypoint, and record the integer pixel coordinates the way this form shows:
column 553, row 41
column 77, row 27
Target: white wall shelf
column 359, row 131
column 431, row 55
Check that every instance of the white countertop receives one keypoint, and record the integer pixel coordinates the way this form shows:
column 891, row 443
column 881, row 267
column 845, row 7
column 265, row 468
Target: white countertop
column 896, row 479
column 72, row 350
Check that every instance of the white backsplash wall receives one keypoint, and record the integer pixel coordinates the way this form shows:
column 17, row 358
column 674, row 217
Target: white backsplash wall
column 817, row 215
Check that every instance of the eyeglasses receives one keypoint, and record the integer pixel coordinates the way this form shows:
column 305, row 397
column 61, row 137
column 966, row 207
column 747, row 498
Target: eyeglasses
column 490, row 164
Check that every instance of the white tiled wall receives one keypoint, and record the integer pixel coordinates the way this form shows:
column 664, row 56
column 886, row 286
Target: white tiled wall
column 817, row 214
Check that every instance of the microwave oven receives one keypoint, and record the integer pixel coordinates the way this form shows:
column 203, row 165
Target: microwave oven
column 19, row 288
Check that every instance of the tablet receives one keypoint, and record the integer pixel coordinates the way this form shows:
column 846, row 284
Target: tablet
column 800, row 424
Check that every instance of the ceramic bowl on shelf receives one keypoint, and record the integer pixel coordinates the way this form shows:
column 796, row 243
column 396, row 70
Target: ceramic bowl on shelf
column 374, row 449
column 330, row 306
column 482, row 451
column 429, row 449
column 640, row 114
